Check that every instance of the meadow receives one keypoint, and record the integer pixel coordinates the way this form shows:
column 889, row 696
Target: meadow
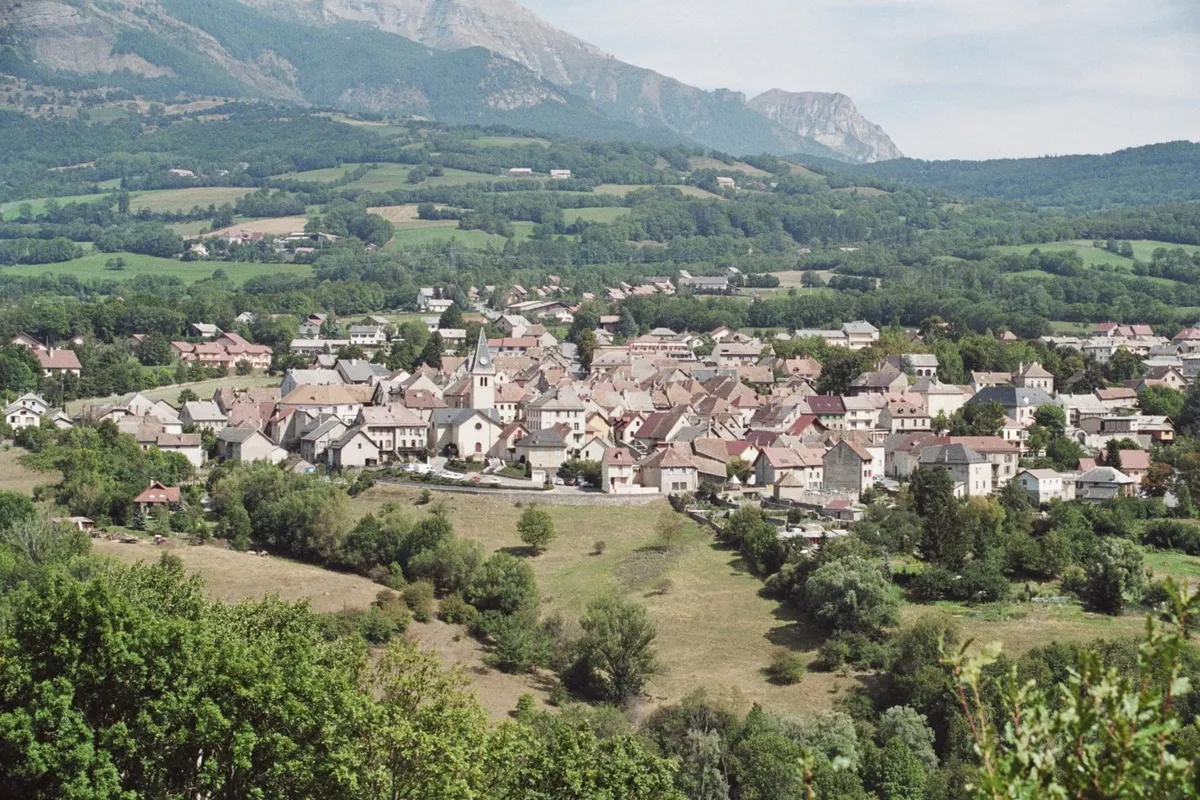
column 92, row 266
column 158, row 201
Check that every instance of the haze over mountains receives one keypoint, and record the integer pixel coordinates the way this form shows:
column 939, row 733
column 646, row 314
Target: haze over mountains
column 464, row 61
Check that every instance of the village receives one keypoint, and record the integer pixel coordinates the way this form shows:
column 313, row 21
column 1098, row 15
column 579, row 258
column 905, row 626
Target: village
column 649, row 416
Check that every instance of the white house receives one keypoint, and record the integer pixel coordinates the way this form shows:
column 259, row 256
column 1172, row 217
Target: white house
column 25, row 412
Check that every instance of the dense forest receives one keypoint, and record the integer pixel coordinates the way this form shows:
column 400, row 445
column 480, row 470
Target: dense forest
column 1136, row 176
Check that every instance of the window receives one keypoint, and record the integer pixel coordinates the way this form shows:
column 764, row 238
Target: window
column 478, row 426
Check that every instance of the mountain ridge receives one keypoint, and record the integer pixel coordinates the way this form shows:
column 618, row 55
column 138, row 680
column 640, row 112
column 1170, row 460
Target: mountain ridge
column 536, row 75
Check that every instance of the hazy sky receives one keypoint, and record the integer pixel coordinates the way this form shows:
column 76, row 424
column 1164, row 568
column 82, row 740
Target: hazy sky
column 945, row 78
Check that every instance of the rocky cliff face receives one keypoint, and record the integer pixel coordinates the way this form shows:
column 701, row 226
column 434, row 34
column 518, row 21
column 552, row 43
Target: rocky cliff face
column 486, row 61
column 829, row 119
column 778, row 122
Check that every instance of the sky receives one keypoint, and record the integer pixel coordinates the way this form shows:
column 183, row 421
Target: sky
column 945, row 78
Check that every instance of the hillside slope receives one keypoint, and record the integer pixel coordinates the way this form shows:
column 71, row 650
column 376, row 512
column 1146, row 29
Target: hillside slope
column 466, row 61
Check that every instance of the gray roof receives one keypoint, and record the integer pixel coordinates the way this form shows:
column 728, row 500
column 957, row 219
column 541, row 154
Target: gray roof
column 323, row 429
column 1104, row 475
column 204, row 411
column 1012, row 397
column 358, row 371
column 236, row 434
column 543, row 438
column 950, row 454
column 558, row 400
column 457, row 416
column 370, row 330
column 861, row 326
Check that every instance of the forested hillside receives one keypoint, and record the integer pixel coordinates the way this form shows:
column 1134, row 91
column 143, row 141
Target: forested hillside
column 1137, row 176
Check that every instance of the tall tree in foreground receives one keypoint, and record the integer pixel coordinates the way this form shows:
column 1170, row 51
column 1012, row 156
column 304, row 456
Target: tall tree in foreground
column 1105, row 733
column 616, row 652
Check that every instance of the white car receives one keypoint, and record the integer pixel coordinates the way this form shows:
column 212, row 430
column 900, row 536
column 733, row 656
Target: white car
column 452, row 476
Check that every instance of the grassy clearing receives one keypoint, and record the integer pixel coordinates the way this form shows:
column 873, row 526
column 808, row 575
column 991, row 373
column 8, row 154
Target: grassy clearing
column 805, row 171
column 606, row 215
column 620, row 190
column 327, row 175
column 793, row 278
column 508, row 141
column 272, row 226
column 430, row 231
column 203, row 389
column 1143, row 250
column 396, row 214
column 159, row 201
column 706, row 162
column 1070, row 328
column 1169, row 563
column 862, row 191
column 16, row 477
column 92, row 266
column 715, row 630
column 389, row 177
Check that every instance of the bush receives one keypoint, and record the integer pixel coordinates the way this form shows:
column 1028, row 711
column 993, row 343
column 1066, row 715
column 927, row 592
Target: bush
column 598, row 547
column 393, row 607
column 786, row 668
column 1074, row 581
column 419, row 597
column 1115, row 575
column 853, row 649
column 376, row 628
column 518, row 643
column 424, row 498
column 456, row 611
column 851, row 594
column 1168, row 534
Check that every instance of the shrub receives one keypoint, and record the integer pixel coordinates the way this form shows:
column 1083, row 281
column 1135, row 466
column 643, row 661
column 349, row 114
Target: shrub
column 376, row 628
column 1074, row 581
column 786, row 668
column 456, row 611
column 393, row 607
column 598, row 547
column 424, row 498
column 851, row 594
column 419, row 597
column 1114, row 575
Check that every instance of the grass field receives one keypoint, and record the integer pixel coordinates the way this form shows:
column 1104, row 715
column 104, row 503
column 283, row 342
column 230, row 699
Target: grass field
column 203, row 389
column 1143, row 250
column 607, row 214
column 428, row 232
column 793, row 278
column 270, row 226
column 327, row 175
column 1070, row 328
column 507, row 141
column 173, row 200
column 395, row 176
column 92, row 266
column 16, row 477
column 706, row 162
column 620, row 190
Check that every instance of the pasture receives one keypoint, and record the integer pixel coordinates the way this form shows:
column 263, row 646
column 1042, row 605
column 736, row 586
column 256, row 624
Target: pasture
column 92, row 266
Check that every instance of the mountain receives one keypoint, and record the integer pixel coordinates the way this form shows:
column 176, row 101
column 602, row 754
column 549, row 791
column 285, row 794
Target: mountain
column 1153, row 174
column 459, row 61
column 828, row 119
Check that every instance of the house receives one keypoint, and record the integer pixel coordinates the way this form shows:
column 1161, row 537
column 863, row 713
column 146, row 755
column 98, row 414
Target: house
column 467, row 432
column 595, row 449
column 315, row 442
column 1134, row 463
column 357, row 372
column 157, row 496
column 921, row 365
column 862, row 412
column 1100, row 484
column 661, row 428
column 905, row 417
column 25, row 412
column 971, row 472
column 367, row 335
column 248, row 444
column 1033, row 376
column 1046, row 485
column 774, row 464
column 544, row 449
column 848, row 467
column 520, row 172
column 27, row 341
column 1018, row 403
column 669, row 471
column 555, row 407
column 704, row 284
column 343, row 402
column 829, row 409
column 78, row 523
column 560, row 174
column 725, row 182
column 56, row 363
column 885, row 381
column 1001, row 452
column 395, row 430
column 354, row 450
column 205, row 331
column 295, row 378
column 618, row 473
column 204, row 415
column 860, row 334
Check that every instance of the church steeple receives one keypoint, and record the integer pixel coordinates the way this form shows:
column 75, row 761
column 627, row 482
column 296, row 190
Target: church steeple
column 481, row 359
column 483, row 375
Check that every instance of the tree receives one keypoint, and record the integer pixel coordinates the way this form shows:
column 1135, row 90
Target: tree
column 1123, row 366
column 452, row 317
column 912, row 728
column 536, row 527
column 504, row 584
column 1189, row 415
column 1051, row 417
column 154, row 351
column 767, row 766
column 1161, row 401
column 431, row 353
column 1102, row 731
column 669, row 528
column 901, row 775
column 839, row 369
column 616, row 651
column 944, row 539
column 978, row 419
column 851, row 594
column 1112, row 454
column 586, row 345
column 739, row 468
column 1114, row 575
column 187, row 396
